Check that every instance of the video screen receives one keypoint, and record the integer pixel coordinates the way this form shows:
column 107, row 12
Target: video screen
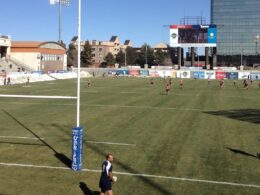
column 193, row 35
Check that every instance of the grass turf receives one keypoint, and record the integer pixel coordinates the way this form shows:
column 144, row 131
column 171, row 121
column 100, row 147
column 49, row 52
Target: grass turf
column 199, row 132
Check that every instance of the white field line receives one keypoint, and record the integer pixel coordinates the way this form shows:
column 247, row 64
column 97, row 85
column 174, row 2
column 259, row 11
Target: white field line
column 38, row 96
column 40, row 90
column 15, row 137
column 138, row 175
column 147, row 107
column 110, row 143
column 113, row 106
column 129, row 92
column 122, row 92
column 94, row 142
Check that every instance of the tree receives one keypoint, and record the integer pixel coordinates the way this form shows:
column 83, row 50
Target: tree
column 120, row 58
column 110, row 59
column 159, row 57
column 131, row 56
column 72, row 56
column 86, row 55
column 146, row 53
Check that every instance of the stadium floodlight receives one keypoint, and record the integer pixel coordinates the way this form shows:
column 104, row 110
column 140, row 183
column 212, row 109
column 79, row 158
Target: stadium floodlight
column 63, row 2
column 60, row 2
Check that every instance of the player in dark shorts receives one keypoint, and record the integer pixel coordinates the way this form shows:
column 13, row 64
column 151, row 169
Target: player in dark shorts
column 106, row 178
column 170, row 81
column 245, row 82
column 28, row 80
column 234, row 83
column 167, row 88
column 181, row 84
column 89, row 83
column 152, row 82
column 221, row 83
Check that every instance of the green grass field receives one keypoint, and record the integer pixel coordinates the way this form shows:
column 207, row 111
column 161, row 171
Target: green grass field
column 201, row 132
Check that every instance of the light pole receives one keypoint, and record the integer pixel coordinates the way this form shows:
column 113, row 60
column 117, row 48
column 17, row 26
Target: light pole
column 257, row 38
column 125, row 56
column 60, row 2
column 198, row 51
column 146, row 54
column 242, row 51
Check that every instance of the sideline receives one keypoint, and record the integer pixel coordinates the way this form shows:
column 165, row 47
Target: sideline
column 137, row 175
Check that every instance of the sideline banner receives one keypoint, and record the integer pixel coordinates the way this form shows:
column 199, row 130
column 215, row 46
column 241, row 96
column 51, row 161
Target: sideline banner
column 183, row 74
column 112, row 72
column 174, row 74
column 244, row 75
column 164, row 73
column 122, row 72
column 144, row 73
column 221, row 75
column 255, row 75
column 153, row 73
column 232, row 75
column 134, row 72
column 198, row 75
column 210, row 74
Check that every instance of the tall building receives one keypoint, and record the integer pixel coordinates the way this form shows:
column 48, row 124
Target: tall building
column 100, row 49
column 238, row 23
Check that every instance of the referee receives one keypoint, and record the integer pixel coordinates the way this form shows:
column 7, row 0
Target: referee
column 106, row 177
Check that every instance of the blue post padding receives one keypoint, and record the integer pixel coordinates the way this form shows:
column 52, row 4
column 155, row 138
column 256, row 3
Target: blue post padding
column 77, row 139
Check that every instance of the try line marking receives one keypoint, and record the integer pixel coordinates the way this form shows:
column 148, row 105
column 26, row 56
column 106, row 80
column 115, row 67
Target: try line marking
column 136, row 175
column 92, row 142
column 14, row 137
column 111, row 106
column 110, row 143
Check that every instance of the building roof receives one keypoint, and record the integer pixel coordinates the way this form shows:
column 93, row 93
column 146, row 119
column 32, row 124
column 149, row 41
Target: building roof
column 113, row 38
column 32, row 44
column 75, row 38
column 127, row 42
column 161, row 46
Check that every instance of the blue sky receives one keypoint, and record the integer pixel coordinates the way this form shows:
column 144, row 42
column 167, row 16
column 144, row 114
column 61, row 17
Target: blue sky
column 138, row 20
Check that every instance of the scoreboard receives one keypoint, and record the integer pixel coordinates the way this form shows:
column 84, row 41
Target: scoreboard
column 193, row 35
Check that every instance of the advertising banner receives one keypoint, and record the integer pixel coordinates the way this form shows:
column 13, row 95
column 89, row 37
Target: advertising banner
column 174, row 74
column 165, row 73
column 255, row 76
column 144, row 73
column 221, row 75
column 244, row 75
column 122, row 72
column 198, row 75
column 153, row 73
column 232, row 75
column 77, row 138
column 134, row 72
column 112, row 72
column 210, row 74
column 2, row 74
column 183, row 74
